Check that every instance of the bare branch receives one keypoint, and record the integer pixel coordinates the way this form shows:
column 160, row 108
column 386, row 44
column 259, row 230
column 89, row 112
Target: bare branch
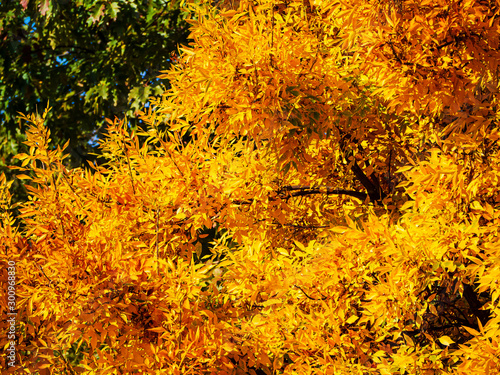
column 302, row 190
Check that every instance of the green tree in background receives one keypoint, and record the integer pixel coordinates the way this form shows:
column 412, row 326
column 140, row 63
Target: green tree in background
column 90, row 59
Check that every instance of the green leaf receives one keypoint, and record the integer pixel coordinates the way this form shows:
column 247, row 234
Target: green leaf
column 102, row 90
column 151, row 12
column 113, row 10
column 286, row 168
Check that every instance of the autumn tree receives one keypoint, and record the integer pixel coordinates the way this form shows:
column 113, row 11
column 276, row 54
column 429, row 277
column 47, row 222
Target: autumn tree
column 88, row 59
column 347, row 153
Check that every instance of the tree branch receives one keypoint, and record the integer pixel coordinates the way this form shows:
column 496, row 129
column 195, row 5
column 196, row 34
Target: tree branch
column 372, row 186
column 374, row 191
column 302, row 190
column 314, row 299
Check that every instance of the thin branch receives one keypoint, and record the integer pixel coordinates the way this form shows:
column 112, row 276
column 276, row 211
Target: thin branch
column 164, row 144
column 128, row 163
column 43, row 272
column 272, row 34
column 465, row 320
column 314, row 299
column 394, row 52
column 63, row 46
column 298, row 226
column 303, row 190
column 389, row 172
column 156, row 240
column 440, row 328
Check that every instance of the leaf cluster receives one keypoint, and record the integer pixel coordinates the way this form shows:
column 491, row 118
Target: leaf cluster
column 90, row 59
column 355, row 205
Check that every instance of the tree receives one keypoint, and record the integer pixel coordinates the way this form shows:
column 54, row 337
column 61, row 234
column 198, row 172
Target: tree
column 348, row 155
column 88, row 59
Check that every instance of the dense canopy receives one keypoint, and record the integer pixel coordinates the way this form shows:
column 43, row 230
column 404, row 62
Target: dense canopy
column 90, row 59
column 346, row 156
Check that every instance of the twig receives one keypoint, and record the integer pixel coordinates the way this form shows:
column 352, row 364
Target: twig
column 43, row 272
column 156, row 240
column 314, row 299
column 128, row 163
column 302, row 190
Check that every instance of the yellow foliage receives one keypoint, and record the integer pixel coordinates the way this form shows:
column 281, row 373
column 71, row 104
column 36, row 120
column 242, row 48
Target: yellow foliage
column 345, row 154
